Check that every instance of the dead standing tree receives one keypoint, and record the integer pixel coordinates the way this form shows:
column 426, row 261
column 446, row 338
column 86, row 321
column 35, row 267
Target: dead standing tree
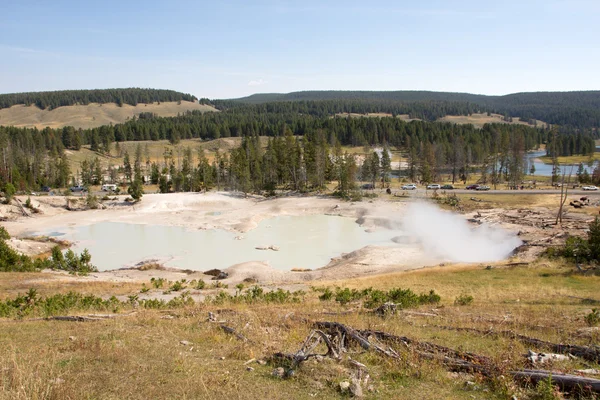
column 563, row 193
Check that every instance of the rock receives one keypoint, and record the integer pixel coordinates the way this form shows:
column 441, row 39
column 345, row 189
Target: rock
column 72, row 338
column 185, row 343
column 489, row 267
column 355, row 388
column 271, row 247
column 250, row 369
column 261, row 362
column 250, row 280
column 371, row 388
column 221, row 275
column 213, row 272
column 278, row 372
column 344, row 386
column 221, row 358
column 543, row 358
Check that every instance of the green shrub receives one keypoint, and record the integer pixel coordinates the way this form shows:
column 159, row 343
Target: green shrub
column 546, row 390
column 576, row 248
column 178, row 285
column 200, row 285
column 157, row 283
column 71, row 262
column 463, row 300
column 327, row 295
column 9, row 192
column 91, row 201
column 593, row 318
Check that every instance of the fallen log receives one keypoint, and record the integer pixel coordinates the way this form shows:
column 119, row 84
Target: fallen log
column 348, row 332
column 587, row 353
column 233, row 332
column 564, row 381
column 72, row 318
column 453, row 360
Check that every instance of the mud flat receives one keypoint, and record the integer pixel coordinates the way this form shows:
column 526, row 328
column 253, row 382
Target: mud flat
column 238, row 215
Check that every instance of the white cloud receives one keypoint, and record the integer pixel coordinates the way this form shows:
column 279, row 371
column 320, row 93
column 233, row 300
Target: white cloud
column 257, row 82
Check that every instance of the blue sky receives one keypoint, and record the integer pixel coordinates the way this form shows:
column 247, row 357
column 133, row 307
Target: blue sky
column 223, row 49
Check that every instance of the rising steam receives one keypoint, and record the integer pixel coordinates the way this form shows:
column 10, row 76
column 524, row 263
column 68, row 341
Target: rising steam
column 450, row 237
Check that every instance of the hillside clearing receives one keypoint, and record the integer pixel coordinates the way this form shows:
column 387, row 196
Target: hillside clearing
column 91, row 115
column 478, row 120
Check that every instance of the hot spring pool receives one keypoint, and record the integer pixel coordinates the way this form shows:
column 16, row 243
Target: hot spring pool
column 303, row 242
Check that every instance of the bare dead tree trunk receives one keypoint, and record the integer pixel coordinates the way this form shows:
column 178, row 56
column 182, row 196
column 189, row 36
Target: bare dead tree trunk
column 563, row 189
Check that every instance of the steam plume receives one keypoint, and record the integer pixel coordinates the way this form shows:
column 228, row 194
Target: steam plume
column 450, row 237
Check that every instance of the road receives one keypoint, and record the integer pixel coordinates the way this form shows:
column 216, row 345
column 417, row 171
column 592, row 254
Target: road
column 507, row 191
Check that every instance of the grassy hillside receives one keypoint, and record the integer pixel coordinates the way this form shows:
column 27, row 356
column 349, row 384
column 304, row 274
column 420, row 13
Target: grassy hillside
column 91, row 115
column 61, row 98
column 174, row 352
column 475, row 119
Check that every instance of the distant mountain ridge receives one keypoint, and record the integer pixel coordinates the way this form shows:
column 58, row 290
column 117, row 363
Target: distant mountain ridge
column 577, row 108
column 592, row 97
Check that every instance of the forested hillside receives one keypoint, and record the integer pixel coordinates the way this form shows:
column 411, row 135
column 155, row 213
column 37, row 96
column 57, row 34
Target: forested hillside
column 31, row 157
column 132, row 96
column 305, row 150
column 578, row 109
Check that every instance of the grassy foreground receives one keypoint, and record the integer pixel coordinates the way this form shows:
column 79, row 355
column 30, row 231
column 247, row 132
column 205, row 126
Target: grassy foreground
column 141, row 355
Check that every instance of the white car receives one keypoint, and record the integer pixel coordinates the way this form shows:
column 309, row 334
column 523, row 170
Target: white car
column 589, row 188
column 410, row 186
column 434, row 186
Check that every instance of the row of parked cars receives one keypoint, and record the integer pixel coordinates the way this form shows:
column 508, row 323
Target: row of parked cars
column 435, row 186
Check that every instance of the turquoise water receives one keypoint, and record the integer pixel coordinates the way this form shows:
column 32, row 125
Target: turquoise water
column 303, row 242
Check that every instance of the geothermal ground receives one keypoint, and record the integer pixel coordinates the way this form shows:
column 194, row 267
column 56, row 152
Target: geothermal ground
column 429, row 235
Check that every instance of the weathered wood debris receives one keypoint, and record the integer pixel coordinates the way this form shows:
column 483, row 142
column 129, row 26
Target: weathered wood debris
column 338, row 338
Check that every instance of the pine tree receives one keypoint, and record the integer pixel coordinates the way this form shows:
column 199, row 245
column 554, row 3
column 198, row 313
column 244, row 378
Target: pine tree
column 386, row 166
column 127, row 167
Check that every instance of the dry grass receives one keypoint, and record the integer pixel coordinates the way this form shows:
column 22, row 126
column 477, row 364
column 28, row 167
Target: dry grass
column 13, row 283
column 141, row 356
column 478, row 120
column 154, row 150
column 92, row 115
column 403, row 117
column 572, row 159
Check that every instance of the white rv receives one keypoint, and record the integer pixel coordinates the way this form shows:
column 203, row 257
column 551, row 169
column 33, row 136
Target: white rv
column 109, row 187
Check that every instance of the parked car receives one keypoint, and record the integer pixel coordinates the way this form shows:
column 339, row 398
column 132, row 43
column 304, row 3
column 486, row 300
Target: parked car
column 410, row 186
column 447, row 187
column 472, row 187
column 434, row 186
column 483, row 187
column 46, row 189
column 77, row 188
column 589, row 188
